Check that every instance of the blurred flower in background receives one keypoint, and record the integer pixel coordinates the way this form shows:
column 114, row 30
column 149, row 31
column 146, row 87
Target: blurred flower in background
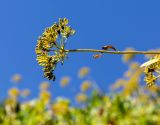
column 60, row 107
column 65, row 81
column 84, row 71
column 44, row 86
column 85, row 85
column 45, row 96
column 14, row 92
column 81, row 98
column 16, row 78
column 25, row 92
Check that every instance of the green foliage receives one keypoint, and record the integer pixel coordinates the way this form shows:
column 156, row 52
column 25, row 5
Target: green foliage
column 132, row 105
column 99, row 109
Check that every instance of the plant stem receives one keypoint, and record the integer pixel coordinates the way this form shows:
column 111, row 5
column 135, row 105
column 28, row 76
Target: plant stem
column 113, row 52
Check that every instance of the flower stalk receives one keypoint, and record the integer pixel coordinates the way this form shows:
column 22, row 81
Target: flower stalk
column 113, row 52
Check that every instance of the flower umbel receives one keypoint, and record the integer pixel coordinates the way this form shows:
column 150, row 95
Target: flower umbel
column 54, row 37
column 152, row 70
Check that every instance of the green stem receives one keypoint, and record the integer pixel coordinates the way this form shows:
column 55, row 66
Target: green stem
column 113, row 52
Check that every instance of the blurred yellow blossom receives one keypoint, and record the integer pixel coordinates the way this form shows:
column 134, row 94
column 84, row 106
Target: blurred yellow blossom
column 10, row 106
column 85, row 85
column 26, row 106
column 132, row 68
column 44, row 86
column 10, row 101
column 60, row 107
column 153, row 88
column 119, row 83
column 128, row 74
column 16, row 78
column 131, row 82
column 45, row 96
column 13, row 92
column 84, row 71
column 65, row 81
column 25, row 92
column 128, row 57
column 81, row 97
column 130, row 87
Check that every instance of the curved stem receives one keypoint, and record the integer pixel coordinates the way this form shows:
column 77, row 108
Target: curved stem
column 113, row 52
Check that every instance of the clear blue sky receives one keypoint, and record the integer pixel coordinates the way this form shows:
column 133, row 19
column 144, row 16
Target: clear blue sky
column 122, row 23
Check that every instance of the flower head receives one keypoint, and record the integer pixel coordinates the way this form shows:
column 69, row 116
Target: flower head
column 48, row 40
column 151, row 70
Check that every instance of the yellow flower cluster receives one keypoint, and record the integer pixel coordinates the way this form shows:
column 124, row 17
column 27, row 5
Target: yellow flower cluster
column 48, row 40
column 152, row 70
column 61, row 107
column 45, row 96
column 131, row 80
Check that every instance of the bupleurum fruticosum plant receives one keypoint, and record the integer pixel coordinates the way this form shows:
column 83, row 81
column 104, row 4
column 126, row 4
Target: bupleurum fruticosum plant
column 53, row 37
column 51, row 50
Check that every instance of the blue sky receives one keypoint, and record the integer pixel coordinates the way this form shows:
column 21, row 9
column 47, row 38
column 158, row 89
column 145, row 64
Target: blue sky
column 122, row 23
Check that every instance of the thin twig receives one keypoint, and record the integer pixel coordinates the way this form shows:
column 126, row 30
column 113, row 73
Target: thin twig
column 113, row 52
